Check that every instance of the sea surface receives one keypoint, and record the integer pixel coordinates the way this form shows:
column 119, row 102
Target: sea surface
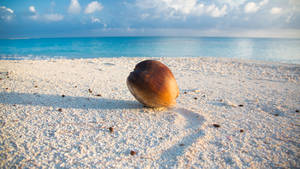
column 267, row 49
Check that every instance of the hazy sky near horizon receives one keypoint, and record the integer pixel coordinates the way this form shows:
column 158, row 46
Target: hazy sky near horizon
column 73, row 18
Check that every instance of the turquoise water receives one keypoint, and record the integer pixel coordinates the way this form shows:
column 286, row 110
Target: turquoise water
column 278, row 50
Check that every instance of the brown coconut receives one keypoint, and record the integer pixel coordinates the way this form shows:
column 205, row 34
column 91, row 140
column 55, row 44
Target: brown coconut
column 152, row 83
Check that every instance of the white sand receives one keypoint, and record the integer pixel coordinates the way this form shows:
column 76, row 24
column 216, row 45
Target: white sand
column 34, row 133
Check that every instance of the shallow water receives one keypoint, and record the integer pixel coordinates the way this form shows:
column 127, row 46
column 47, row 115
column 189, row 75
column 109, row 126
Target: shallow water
column 267, row 49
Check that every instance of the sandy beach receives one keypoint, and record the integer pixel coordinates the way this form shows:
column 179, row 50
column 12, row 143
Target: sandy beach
column 79, row 113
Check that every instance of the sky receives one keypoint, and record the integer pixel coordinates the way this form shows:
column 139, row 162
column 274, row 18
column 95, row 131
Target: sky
column 89, row 18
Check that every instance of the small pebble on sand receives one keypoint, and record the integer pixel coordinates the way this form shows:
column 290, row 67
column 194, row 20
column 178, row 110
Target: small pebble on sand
column 60, row 110
column 216, row 125
column 132, row 153
column 111, row 129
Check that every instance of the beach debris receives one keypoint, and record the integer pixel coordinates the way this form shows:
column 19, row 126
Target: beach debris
column 240, row 105
column 241, row 131
column 297, row 111
column 99, row 95
column 153, row 84
column 132, row 153
column 60, row 109
column 111, row 129
column 229, row 103
column 90, row 91
column 63, row 95
column 216, row 125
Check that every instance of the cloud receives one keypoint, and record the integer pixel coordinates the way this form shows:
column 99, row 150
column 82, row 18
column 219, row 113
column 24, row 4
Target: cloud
column 54, row 17
column 275, row 10
column 32, row 9
column 264, row 2
column 6, row 9
column 6, row 13
column 93, row 7
column 215, row 12
column 74, row 7
column 252, row 7
column 95, row 20
column 181, row 8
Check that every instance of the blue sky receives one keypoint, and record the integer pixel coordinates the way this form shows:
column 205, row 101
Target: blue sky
column 79, row 18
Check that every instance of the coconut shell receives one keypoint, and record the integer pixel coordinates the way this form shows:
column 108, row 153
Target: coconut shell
column 152, row 83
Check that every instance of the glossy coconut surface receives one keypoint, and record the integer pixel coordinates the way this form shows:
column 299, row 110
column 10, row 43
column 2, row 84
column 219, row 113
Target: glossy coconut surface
column 153, row 84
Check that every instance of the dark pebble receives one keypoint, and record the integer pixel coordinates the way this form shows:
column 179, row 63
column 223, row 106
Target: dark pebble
column 195, row 98
column 160, row 138
column 6, row 88
column 297, row 111
column 204, row 95
column 241, row 130
column 14, row 104
column 111, row 129
column 0, row 78
column 216, row 125
column 240, row 105
column 181, row 144
column 63, row 95
column 132, row 153
column 35, row 86
column 90, row 91
column 184, row 92
column 99, row 95
column 60, row 110
column 276, row 114
column 75, row 86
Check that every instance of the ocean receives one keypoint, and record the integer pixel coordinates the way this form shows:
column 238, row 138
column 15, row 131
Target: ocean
column 266, row 49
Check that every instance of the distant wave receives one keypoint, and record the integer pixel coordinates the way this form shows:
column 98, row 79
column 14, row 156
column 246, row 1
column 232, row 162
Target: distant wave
column 29, row 57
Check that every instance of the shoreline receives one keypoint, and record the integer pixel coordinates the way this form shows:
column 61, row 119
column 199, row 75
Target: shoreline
column 230, row 113
column 156, row 58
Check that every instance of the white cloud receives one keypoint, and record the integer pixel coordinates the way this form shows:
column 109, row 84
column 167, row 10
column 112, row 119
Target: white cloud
column 95, row 20
column 214, row 11
column 275, row 10
column 232, row 3
column 264, row 2
column 181, row 8
column 74, row 7
column 93, row 7
column 6, row 9
column 32, row 9
column 252, row 7
column 6, row 13
column 54, row 17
